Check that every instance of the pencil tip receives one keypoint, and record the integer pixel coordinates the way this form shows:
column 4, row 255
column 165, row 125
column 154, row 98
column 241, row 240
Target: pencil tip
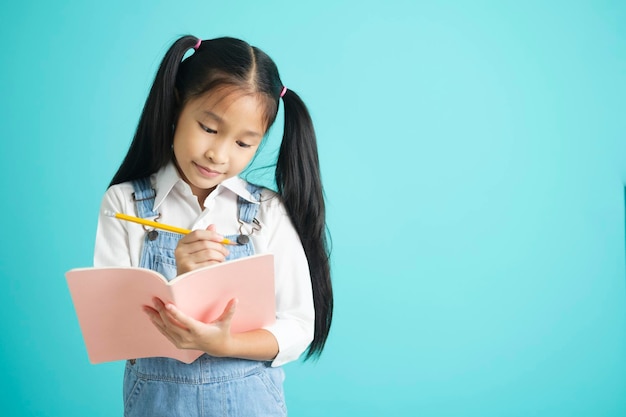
column 109, row 213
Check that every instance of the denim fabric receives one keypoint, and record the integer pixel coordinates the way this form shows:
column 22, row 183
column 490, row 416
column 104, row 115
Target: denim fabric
column 158, row 254
column 209, row 386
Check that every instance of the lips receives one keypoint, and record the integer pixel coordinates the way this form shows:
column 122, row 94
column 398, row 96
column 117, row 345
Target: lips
column 207, row 172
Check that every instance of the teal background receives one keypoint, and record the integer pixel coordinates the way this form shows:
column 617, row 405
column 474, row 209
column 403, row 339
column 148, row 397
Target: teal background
column 474, row 160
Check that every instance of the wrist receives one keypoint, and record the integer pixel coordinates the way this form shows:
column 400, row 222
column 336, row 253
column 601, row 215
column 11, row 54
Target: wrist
column 224, row 349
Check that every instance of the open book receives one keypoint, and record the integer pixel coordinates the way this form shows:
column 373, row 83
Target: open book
column 109, row 304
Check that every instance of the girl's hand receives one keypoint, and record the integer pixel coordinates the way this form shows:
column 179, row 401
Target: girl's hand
column 187, row 333
column 199, row 248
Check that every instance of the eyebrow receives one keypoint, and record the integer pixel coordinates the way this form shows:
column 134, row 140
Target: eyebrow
column 220, row 120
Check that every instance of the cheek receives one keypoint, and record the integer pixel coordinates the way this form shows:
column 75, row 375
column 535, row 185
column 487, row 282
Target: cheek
column 183, row 145
column 239, row 162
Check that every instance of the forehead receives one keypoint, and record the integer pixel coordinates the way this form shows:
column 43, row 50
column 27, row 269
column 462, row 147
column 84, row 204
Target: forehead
column 230, row 104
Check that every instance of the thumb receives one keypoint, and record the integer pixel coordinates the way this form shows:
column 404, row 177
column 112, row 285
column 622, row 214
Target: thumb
column 229, row 312
column 211, row 228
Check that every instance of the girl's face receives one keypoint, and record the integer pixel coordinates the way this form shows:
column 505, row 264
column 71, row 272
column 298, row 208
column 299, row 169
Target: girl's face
column 215, row 138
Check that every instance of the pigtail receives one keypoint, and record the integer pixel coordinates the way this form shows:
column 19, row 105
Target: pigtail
column 151, row 146
column 299, row 183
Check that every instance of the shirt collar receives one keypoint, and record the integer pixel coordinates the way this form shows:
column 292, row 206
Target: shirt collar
column 238, row 186
column 167, row 178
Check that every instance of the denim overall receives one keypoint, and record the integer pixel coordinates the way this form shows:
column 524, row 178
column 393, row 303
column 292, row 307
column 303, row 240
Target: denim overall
column 209, row 386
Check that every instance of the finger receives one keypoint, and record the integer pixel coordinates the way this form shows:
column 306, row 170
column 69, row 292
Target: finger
column 174, row 334
column 188, row 262
column 150, row 311
column 183, row 320
column 185, row 264
column 201, row 251
column 156, row 319
column 158, row 305
column 216, row 236
column 166, row 332
column 166, row 318
column 202, row 245
column 160, row 314
column 184, row 267
column 210, row 234
column 208, row 254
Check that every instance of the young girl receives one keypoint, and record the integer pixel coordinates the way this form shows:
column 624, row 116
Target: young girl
column 203, row 122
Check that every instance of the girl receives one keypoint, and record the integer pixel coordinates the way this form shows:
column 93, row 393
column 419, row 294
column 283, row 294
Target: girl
column 203, row 122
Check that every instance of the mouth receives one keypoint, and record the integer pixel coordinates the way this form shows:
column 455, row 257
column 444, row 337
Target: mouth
column 207, row 172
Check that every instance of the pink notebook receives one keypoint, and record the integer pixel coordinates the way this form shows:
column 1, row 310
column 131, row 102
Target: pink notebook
column 109, row 302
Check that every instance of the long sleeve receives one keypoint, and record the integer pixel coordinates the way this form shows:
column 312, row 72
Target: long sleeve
column 295, row 315
column 113, row 246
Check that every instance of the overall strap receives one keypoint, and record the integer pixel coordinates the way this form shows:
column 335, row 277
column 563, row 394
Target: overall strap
column 144, row 196
column 248, row 210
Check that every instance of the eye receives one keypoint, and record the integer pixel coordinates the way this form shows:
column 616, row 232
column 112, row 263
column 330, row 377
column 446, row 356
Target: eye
column 207, row 129
column 242, row 144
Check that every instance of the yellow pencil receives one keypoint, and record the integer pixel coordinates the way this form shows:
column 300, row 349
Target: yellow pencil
column 158, row 225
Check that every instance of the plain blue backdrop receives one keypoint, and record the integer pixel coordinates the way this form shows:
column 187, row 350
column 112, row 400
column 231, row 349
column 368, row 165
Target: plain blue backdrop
column 474, row 160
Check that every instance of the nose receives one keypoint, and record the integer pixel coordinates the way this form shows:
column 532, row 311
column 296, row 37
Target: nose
column 218, row 152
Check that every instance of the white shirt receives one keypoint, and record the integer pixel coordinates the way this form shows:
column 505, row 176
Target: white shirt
column 119, row 243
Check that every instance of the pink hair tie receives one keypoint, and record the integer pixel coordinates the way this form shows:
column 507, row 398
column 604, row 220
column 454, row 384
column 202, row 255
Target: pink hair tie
column 283, row 91
column 197, row 45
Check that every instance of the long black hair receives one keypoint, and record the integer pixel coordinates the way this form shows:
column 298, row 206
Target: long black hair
column 228, row 63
